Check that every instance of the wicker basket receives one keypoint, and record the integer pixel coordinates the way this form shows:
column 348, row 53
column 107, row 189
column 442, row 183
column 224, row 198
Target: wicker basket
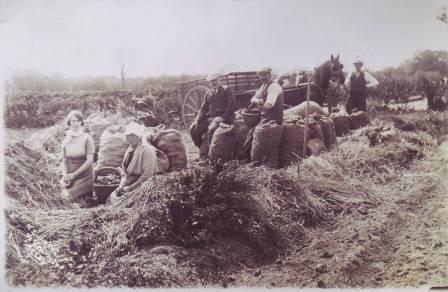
column 103, row 191
column 251, row 118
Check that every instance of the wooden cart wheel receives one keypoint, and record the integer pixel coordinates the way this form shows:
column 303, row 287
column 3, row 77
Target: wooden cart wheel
column 192, row 104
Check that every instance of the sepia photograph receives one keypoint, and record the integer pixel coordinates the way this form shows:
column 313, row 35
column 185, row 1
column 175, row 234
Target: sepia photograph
column 224, row 144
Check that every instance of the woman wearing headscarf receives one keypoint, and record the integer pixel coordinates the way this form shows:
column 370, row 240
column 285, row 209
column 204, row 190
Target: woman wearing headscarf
column 78, row 149
column 139, row 162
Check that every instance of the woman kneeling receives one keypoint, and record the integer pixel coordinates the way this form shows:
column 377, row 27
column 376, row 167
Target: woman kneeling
column 78, row 149
column 139, row 162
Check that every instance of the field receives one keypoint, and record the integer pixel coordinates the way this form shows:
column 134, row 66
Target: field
column 360, row 215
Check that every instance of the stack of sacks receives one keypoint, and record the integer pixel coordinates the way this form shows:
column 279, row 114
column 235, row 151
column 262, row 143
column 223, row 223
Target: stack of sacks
column 113, row 145
column 341, row 121
column 170, row 142
column 328, row 130
column 266, row 143
column 96, row 125
column 222, row 145
column 315, row 144
column 293, row 138
column 359, row 119
column 300, row 110
column 241, row 130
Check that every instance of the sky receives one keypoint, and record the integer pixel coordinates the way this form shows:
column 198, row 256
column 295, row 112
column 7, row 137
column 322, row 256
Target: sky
column 94, row 37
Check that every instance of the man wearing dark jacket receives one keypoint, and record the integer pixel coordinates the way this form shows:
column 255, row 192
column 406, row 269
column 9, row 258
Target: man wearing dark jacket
column 218, row 107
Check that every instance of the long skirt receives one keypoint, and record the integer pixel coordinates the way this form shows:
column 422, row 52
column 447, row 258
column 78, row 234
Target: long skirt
column 82, row 186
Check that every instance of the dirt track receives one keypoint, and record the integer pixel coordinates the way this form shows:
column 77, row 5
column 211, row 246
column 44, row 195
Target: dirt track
column 402, row 242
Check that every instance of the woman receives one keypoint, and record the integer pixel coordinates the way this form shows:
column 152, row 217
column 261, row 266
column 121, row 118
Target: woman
column 139, row 162
column 78, row 149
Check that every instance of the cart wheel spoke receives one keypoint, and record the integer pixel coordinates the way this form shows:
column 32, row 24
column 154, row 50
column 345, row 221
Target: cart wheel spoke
column 192, row 103
column 192, row 108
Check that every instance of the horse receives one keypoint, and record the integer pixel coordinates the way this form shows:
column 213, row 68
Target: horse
column 329, row 73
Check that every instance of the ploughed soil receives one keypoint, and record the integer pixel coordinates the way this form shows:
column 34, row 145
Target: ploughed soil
column 403, row 242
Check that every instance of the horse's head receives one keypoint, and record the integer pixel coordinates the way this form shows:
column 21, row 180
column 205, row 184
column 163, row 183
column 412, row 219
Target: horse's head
column 335, row 67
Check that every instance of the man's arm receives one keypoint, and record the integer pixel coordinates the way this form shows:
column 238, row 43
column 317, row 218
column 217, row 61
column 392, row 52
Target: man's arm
column 274, row 91
column 204, row 109
column 230, row 107
column 348, row 80
column 371, row 81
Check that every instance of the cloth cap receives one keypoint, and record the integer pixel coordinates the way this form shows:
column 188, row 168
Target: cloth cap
column 264, row 70
column 358, row 61
column 212, row 77
column 134, row 128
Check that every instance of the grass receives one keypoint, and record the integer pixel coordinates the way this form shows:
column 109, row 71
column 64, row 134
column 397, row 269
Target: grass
column 230, row 216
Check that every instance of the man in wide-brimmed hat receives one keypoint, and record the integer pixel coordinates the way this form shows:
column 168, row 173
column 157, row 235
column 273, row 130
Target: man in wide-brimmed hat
column 218, row 107
column 357, row 82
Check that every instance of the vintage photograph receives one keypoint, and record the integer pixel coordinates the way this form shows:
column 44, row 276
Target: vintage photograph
column 225, row 144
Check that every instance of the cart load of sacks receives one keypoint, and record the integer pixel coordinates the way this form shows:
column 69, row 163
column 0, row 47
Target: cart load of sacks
column 282, row 145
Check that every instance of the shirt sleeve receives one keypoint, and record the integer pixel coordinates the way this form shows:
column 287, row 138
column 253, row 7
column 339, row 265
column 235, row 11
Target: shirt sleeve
column 90, row 145
column 347, row 79
column 371, row 81
column 274, row 91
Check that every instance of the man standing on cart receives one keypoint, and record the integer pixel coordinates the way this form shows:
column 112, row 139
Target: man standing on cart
column 218, row 107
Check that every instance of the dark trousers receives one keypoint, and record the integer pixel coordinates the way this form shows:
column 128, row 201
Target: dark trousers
column 356, row 99
column 202, row 136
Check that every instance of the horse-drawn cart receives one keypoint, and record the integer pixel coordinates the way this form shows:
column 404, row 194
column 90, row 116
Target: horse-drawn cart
column 244, row 85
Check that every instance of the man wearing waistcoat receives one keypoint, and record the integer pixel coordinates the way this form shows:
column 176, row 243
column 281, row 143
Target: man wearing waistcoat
column 269, row 97
column 357, row 82
column 218, row 107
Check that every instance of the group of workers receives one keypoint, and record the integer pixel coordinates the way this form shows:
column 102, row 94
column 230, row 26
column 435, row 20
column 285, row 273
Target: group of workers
column 78, row 149
column 140, row 160
column 219, row 104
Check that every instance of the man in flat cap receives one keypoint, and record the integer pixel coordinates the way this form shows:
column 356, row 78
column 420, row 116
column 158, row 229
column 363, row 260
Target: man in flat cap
column 357, row 82
column 269, row 97
column 218, row 107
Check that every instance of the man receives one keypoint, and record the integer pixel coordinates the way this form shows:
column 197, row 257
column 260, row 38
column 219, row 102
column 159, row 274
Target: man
column 218, row 106
column 357, row 83
column 269, row 97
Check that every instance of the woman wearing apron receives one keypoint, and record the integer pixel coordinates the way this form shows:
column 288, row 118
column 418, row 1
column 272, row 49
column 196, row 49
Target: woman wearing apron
column 77, row 161
column 139, row 162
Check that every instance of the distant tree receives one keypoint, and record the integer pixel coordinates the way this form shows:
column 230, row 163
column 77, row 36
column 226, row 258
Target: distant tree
column 427, row 61
column 123, row 74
